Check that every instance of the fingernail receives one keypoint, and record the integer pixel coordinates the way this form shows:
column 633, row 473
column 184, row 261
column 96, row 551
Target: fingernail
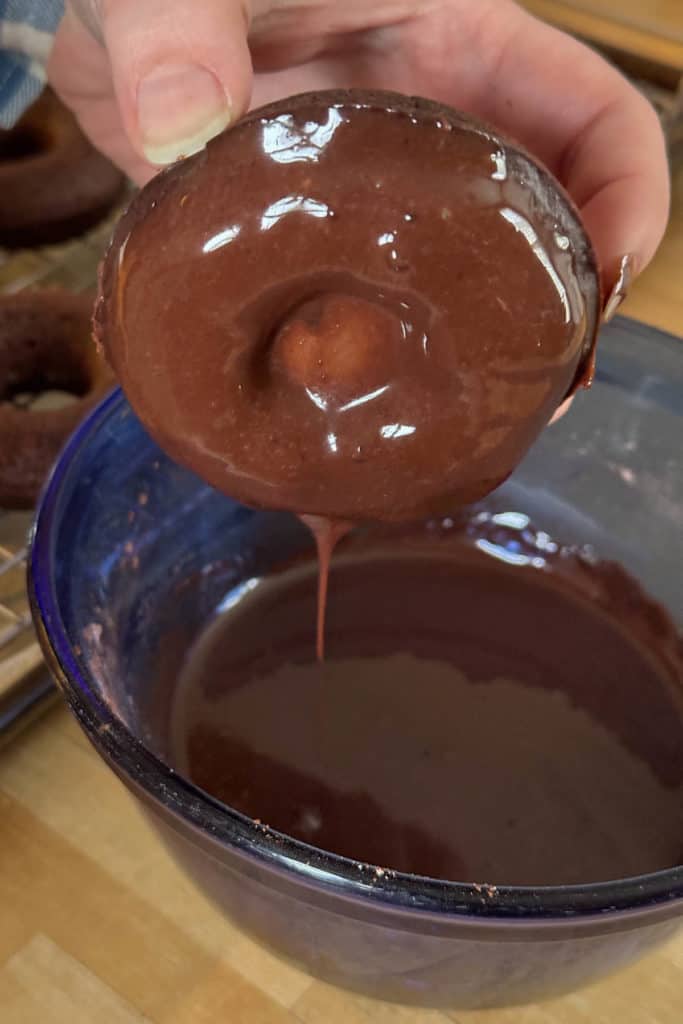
column 561, row 410
column 620, row 288
column 180, row 107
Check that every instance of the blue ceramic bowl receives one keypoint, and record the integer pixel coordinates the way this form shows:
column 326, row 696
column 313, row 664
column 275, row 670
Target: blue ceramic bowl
column 131, row 556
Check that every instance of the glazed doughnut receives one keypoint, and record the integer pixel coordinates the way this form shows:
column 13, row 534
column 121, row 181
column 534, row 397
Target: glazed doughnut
column 45, row 344
column 53, row 184
column 352, row 304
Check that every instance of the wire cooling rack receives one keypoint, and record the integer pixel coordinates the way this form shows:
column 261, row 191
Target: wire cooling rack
column 14, row 616
column 25, row 686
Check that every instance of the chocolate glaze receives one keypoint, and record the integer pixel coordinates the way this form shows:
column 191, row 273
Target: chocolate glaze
column 351, row 304
column 494, row 708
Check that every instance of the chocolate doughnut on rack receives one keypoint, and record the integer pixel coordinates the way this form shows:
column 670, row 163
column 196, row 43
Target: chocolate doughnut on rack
column 25, row 685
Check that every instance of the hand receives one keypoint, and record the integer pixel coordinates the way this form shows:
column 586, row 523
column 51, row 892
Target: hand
column 151, row 80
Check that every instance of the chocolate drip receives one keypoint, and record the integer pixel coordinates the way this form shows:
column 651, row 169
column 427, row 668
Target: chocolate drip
column 327, row 534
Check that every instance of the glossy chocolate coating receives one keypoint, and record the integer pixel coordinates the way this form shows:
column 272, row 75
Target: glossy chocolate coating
column 351, row 304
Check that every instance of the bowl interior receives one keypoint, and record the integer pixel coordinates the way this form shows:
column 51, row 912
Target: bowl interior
column 132, row 554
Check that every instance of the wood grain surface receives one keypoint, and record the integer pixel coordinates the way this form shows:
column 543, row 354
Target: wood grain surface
column 98, row 926
column 650, row 30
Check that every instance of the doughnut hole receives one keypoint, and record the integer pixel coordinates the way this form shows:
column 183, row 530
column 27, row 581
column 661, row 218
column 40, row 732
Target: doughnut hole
column 42, row 369
column 21, row 143
column 339, row 346
column 54, row 382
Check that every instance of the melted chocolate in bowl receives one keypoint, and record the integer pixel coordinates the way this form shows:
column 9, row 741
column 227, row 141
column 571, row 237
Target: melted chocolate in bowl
column 354, row 305
column 493, row 708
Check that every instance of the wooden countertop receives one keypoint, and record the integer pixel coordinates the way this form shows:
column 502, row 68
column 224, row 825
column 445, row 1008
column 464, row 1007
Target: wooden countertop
column 98, row 925
column 651, row 32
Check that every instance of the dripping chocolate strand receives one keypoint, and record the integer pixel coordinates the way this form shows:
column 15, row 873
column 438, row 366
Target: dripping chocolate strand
column 327, row 534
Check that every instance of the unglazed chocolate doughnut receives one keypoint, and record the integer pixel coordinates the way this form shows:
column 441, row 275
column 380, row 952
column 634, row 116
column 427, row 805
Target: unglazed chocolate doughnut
column 352, row 304
column 45, row 343
column 53, row 183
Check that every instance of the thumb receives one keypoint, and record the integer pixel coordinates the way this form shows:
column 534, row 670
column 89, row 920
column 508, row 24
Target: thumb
column 182, row 72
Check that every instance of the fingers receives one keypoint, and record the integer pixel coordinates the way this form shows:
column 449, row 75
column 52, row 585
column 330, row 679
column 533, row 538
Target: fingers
column 617, row 173
column 599, row 135
column 80, row 74
column 181, row 72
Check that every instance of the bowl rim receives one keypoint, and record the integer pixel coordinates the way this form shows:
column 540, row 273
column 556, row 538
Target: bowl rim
column 323, row 869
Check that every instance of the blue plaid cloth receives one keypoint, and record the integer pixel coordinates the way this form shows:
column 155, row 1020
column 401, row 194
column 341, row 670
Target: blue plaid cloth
column 26, row 31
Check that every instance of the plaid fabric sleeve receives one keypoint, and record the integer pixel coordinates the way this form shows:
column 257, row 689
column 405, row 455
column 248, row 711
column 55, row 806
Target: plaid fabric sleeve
column 26, row 31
